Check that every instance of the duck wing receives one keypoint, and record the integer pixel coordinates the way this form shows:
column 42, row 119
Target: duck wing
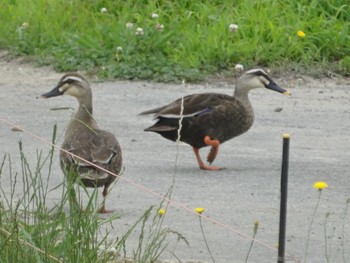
column 195, row 104
column 98, row 147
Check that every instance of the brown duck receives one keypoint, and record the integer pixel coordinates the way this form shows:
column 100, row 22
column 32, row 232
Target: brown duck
column 210, row 119
column 84, row 139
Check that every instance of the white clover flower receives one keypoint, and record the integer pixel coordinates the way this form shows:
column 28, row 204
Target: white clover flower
column 25, row 25
column 155, row 16
column 159, row 27
column 139, row 31
column 119, row 49
column 103, row 10
column 129, row 25
column 233, row 27
column 239, row 67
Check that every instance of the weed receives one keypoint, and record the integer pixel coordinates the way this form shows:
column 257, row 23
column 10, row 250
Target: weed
column 36, row 231
column 320, row 186
column 32, row 231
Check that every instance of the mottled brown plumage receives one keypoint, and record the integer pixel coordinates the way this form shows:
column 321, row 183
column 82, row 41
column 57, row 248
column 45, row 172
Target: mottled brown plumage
column 210, row 119
column 84, row 139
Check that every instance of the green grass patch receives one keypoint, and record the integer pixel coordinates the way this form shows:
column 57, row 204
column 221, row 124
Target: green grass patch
column 195, row 40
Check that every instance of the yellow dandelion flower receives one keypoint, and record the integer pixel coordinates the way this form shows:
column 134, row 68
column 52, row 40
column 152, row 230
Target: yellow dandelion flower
column 320, row 185
column 199, row 210
column 161, row 212
column 301, row 34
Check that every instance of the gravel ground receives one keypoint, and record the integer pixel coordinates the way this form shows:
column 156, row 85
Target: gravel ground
column 316, row 116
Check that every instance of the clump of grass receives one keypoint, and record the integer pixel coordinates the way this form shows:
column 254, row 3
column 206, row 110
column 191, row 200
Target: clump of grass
column 34, row 230
column 344, row 65
column 30, row 230
column 184, row 40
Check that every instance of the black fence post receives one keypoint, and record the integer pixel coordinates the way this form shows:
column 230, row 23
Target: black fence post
column 283, row 205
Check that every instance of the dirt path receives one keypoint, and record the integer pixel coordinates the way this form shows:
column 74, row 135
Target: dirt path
column 316, row 116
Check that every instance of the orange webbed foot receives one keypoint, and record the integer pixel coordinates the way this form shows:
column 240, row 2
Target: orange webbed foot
column 211, row 168
column 214, row 148
column 202, row 165
column 212, row 154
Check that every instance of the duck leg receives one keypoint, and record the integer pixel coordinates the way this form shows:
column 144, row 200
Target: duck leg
column 214, row 148
column 201, row 164
column 103, row 210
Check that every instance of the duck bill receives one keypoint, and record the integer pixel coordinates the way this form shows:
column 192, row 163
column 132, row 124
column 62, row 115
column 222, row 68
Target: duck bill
column 273, row 86
column 53, row 93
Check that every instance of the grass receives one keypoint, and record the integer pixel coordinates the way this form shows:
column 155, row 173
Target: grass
column 195, row 42
column 33, row 231
column 30, row 230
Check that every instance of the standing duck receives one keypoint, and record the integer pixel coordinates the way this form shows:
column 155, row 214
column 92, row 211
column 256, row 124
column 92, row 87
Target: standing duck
column 210, row 119
column 84, row 139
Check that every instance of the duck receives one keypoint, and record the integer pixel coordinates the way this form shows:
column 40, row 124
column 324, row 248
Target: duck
column 84, row 139
column 210, row 119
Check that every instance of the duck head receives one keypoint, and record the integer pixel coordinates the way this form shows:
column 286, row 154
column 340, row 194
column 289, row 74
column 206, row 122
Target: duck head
column 71, row 84
column 257, row 78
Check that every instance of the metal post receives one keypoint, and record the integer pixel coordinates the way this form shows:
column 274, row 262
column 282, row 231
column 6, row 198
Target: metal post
column 283, row 205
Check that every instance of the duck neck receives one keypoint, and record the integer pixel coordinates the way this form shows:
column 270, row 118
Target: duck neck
column 84, row 114
column 242, row 96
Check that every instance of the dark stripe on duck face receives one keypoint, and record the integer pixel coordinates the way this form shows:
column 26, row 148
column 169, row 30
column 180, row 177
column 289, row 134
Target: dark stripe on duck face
column 70, row 80
column 259, row 73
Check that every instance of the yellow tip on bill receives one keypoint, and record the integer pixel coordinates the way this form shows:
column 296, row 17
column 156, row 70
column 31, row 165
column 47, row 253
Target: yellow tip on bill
column 286, row 136
column 287, row 93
